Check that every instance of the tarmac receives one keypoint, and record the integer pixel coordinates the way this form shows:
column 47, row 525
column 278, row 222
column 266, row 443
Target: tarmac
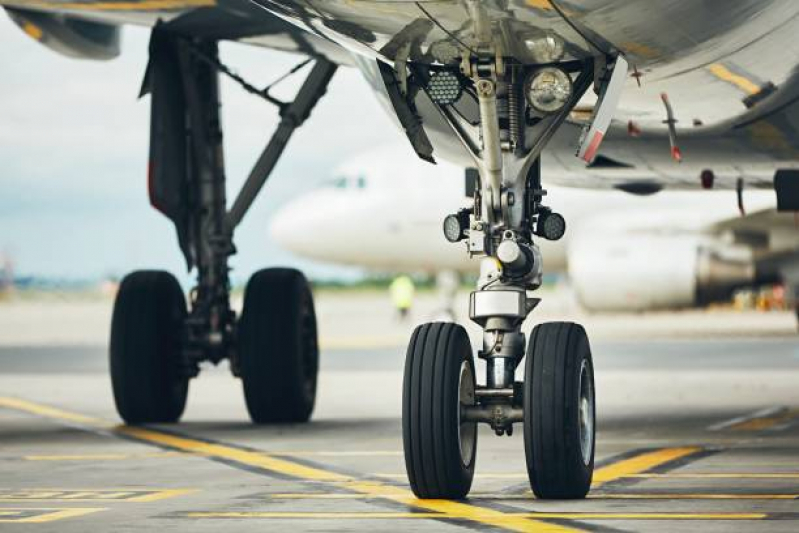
column 698, row 430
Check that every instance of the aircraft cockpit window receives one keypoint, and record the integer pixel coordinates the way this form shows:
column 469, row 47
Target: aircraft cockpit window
column 337, row 183
column 347, row 182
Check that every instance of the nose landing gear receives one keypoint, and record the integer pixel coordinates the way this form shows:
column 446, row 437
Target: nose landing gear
column 520, row 107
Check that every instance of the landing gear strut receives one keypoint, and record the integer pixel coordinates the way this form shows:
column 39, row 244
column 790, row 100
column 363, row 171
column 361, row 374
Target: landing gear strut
column 519, row 108
column 157, row 345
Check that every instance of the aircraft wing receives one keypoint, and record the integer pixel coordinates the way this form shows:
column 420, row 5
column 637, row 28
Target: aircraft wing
column 90, row 29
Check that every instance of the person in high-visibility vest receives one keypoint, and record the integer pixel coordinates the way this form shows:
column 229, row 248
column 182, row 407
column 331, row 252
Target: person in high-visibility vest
column 402, row 291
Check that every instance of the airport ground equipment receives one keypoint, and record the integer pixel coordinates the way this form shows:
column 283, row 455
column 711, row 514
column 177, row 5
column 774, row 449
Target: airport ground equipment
column 518, row 108
column 157, row 345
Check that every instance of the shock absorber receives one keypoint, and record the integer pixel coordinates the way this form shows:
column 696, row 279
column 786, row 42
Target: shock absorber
column 515, row 116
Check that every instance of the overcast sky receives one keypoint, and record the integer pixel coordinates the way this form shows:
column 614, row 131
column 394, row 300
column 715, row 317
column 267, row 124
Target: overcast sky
column 73, row 153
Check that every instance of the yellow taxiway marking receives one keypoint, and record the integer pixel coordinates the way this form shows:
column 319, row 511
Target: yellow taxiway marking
column 50, row 412
column 540, row 4
column 274, row 464
column 742, row 82
column 354, row 453
column 440, row 508
column 126, row 495
column 108, row 456
column 618, row 470
column 640, row 463
column 41, row 515
column 522, row 515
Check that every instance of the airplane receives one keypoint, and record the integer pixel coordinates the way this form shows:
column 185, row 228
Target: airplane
column 383, row 211
column 485, row 84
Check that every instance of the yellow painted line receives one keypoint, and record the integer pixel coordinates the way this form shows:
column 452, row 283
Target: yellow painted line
column 379, row 490
column 220, row 451
column 723, row 475
column 162, row 495
column 354, row 453
column 322, row 496
column 50, row 412
column 108, row 456
column 540, row 4
column 450, row 509
column 620, row 469
column 640, row 463
column 312, row 515
column 282, row 466
column 560, row 516
column 742, row 82
column 46, row 515
column 84, row 495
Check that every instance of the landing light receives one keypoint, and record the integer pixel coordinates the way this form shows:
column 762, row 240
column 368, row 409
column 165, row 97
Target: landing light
column 453, row 228
column 551, row 225
column 444, row 87
column 548, row 90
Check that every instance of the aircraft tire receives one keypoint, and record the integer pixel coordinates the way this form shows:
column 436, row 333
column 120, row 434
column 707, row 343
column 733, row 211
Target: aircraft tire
column 278, row 352
column 559, row 413
column 146, row 376
column 439, row 378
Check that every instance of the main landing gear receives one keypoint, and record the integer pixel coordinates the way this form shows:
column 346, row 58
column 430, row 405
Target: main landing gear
column 515, row 109
column 157, row 341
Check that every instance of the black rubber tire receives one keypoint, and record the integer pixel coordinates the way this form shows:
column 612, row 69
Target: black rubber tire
column 277, row 347
column 146, row 376
column 555, row 464
column 430, row 412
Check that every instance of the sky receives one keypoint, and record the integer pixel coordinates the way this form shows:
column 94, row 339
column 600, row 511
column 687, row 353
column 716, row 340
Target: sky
column 74, row 146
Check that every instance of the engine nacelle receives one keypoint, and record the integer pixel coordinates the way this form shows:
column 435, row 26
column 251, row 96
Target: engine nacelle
column 67, row 35
column 638, row 272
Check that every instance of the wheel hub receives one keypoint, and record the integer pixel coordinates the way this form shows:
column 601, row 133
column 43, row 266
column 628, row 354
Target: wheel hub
column 586, row 406
column 467, row 433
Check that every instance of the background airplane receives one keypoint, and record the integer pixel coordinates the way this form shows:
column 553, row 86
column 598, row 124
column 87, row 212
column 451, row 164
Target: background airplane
column 383, row 210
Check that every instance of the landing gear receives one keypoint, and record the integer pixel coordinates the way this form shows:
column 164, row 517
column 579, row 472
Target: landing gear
column 439, row 384
column 157, row 345
column 504, row 112
column 277, row 348
column 148, row 381
column 559, row 411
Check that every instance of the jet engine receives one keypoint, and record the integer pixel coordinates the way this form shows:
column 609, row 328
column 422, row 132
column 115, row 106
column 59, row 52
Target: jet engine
column 638, row 272
column 67, row 35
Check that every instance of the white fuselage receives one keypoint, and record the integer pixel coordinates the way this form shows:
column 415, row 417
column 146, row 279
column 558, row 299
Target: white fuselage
column 384, row 211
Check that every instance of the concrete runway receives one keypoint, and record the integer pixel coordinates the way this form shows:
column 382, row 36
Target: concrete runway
column 694, row 435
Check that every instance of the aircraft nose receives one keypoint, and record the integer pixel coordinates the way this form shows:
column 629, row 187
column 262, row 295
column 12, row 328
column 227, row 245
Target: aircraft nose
column 286, row 227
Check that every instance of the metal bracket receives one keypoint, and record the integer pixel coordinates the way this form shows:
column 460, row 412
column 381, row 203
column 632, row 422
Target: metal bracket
column 603, row 111
column 292, row 117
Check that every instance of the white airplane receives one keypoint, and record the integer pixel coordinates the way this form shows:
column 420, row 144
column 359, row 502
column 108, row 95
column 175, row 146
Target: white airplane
column 384, row 211
column 648, row 95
